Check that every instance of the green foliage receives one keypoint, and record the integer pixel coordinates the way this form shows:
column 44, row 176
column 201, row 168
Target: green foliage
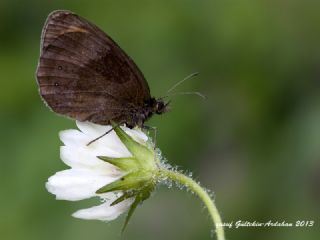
column 255, row 141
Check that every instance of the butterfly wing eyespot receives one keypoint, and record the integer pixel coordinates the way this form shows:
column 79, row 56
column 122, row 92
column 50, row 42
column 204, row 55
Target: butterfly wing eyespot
column 83, row 74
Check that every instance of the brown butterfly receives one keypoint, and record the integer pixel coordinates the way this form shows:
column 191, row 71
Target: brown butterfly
column 83, row 74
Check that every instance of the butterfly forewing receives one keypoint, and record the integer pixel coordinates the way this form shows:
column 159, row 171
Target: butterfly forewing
column 84, row 74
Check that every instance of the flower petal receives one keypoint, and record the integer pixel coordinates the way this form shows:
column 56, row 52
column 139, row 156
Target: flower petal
column 81, row 157
column 109, row 145
column 91, row 129
column 136, row 134
column 104, row 212
column 94, row 130
column 77, row 184
column 73, row 137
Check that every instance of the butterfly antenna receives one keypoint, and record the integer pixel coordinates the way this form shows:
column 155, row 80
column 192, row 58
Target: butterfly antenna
column 184, row 93
column 188, row 93
column 185, row 79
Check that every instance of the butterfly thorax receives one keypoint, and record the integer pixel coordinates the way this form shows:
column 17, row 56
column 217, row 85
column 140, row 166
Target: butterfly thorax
column 150, row 107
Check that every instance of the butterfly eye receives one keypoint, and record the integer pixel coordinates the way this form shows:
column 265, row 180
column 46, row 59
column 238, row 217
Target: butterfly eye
column 160, row 107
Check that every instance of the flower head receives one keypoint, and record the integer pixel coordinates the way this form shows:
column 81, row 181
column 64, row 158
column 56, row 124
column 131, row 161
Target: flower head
column 119, row 168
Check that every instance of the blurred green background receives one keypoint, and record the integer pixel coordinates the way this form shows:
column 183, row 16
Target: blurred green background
column 255, row 141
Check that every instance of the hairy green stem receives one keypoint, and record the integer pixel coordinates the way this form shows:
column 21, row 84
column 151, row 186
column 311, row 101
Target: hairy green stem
column 201, row 193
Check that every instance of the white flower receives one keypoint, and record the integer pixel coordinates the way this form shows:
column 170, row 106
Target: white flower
column 121, row 168
column 118, row 170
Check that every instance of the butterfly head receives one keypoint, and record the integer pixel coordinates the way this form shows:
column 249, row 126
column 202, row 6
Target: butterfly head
column 160, row 106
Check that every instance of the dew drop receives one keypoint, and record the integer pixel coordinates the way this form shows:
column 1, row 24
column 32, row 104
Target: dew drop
column 169, row 183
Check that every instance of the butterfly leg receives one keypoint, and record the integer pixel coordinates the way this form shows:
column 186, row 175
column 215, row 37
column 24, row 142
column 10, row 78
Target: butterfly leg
column 92, row 141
